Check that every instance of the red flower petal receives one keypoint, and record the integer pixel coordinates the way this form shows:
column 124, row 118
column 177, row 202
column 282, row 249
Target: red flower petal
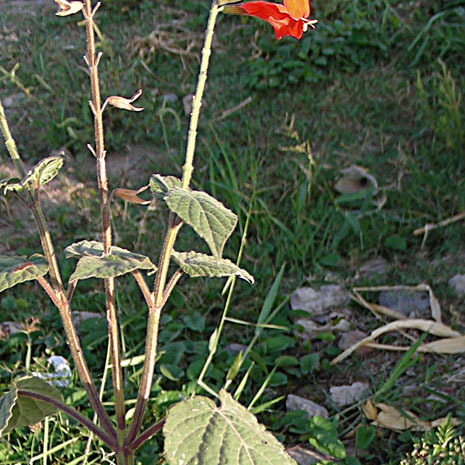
column 281, row 17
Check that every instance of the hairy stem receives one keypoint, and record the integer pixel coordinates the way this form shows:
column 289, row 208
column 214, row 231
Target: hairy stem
column 174, row 225
column 109, row 283
column 57, row 286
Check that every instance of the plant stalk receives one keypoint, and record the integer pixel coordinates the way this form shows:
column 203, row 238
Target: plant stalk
column 174, row 225
column 109, row 283
column 57, row 285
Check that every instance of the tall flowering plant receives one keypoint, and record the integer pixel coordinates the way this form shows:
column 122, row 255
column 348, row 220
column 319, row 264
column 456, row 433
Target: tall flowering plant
column 196, row 430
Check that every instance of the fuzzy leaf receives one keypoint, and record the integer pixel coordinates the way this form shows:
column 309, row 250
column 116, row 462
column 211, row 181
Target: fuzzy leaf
column 210, row 219
column 160, row 185
column 16, row 270
column 44, row 171
column 197, row 264
column 197, row 432
column 17, row 411
column 40, row 174
column 92, row 263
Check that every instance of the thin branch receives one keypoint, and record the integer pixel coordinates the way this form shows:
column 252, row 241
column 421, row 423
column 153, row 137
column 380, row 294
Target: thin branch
column 108, row 440
column 109, row 283
column 144, row 288
column 147, row 434
column 48, row 289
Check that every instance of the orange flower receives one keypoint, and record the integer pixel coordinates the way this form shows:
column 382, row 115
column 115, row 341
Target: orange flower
column 290, row 19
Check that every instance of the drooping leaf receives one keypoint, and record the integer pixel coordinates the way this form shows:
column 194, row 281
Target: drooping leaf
column 93, row 264
column 16, row 270
column 131, row 195
column 160, row 185
column 210, row 219
column 197, row 264
column 199, row 432
column 17, row 410
column 10, row 185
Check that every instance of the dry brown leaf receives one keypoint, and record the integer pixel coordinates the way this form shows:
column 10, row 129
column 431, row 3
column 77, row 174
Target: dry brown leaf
column 433, row 327
column 130, row 195
column 391, row 418
column 450, row 345
column 371, row 412
column 376, row 309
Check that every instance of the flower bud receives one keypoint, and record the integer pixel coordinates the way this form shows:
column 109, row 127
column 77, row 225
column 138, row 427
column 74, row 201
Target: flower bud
column 125, row 103
column 68, row 8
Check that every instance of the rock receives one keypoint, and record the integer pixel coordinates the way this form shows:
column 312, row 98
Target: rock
column 170, row 98
column 347, row 395
column 187, row 103
column 8, row 328
column 79, row 317
column 311, row 329
column 375, row 265
column 320, row 302
column 457, row 283
column 302, row 456
column 350, row 338
column 14, row 100
column 235, row 348
column 413, row 304
column 299, row 403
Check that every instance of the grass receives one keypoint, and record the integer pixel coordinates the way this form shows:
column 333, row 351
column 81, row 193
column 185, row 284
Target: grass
column 378, row 85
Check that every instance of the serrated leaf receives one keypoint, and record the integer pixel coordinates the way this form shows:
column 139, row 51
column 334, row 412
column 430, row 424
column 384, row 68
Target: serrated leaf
column 210, row 219
column 93, row 264
column 44, row 171
column 17, row 411
column 160, row 185
column 16, row 270
column 197, row 264
column 197, row 432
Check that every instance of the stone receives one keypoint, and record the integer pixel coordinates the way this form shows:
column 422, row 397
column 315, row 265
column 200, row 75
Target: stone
column 412, row 304
column 350, row 338
column 457, row 283
column 294, row 402
column 235, row 348
column 348, row 394
column 302, row 456
column 312, row 329
column 319, row 302
column 187, row 102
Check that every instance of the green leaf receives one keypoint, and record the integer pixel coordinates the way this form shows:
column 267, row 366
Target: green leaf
column 210, row 219
column 93, row 264
column 309, row 363
column 197, row 264
column 17, row 411
column 160, row 185
column 198, row 432
column 364, row 436
column 396, row 242
column 324, row 438
column 44, row 171
column 10, row 185
column 16, row 270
